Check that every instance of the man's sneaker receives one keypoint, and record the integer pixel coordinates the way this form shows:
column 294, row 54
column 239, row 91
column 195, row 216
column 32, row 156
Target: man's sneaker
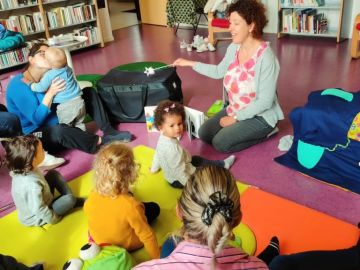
column 50, row 162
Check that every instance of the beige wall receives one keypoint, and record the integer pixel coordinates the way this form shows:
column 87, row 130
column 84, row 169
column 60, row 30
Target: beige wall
column 153, row 11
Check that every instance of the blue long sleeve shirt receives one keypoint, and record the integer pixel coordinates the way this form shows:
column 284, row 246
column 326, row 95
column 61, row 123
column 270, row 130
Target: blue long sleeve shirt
column 28, row 106
column 72, row 87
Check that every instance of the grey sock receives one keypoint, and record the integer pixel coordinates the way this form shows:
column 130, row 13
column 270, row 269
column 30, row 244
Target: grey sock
column 228, row 162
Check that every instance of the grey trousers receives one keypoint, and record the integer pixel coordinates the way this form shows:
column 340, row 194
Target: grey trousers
column 236, row 137
column 66, row 201
column 72, row 112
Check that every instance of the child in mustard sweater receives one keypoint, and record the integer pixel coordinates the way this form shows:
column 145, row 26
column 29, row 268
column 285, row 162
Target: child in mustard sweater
column 115, row 217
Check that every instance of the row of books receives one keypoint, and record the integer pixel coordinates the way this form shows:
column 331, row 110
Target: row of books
column 14, row 57
column 26, row 24
column 310, row 3
column 91, row 32
column 58, row 17
column 9, row 4
column 63, row 16
column 20, row 55
column 304, row 21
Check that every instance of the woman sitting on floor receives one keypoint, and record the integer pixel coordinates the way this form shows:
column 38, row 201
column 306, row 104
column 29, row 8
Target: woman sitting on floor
column 250, row 71
column 37, row 113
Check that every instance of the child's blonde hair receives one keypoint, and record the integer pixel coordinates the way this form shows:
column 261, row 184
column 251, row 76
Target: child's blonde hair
column 56, row 57
column 210, row 207
column 114, row 169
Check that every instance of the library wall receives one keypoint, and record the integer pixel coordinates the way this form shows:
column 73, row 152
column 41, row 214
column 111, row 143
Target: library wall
column 352, row 8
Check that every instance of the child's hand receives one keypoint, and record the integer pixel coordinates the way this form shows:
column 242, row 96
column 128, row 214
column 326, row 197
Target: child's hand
column 57, row 85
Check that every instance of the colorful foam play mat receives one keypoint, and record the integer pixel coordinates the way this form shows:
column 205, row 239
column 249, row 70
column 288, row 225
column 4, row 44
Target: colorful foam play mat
column 298, row 228
column 55, row 244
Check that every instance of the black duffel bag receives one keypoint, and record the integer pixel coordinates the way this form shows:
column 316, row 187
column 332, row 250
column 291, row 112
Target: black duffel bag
column 125, row 93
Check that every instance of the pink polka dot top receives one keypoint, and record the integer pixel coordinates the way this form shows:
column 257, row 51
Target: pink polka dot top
column 239, row 82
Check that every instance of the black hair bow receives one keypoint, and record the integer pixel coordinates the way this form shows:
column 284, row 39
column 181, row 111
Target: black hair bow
column 218, row 203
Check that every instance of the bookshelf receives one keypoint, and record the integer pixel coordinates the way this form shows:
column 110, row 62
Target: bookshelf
column 316, row 18
column 42, row 19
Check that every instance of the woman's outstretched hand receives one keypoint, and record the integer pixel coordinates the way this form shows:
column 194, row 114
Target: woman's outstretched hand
column 181, row 62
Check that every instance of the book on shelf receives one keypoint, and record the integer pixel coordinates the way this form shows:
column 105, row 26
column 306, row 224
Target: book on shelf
column 14, row 57
column 91, row 32
column 26, row 24
column 303, row 21
column 10, row 4
column 69, row 15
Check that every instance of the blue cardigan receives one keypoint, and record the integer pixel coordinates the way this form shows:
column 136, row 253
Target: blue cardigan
column 28, row 106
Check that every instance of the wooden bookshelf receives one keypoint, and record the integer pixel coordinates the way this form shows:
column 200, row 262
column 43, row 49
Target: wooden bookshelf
column 308, row 18
column 32, row 19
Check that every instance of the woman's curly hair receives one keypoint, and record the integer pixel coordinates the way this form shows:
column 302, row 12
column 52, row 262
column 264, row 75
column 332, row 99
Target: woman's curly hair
column 167, row 107
column 114, row 169
column 252, row 11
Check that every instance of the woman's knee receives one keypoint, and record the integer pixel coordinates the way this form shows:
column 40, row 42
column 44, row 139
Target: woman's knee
column 221, row 144
column 10, row 124
column 58, row 131
column 205, row 133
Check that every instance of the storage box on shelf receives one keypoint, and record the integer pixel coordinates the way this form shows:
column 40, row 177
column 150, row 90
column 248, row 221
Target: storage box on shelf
column 318, row 18
column 44, row 19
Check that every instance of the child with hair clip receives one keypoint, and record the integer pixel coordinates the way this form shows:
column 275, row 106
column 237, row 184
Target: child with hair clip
column 177, row 164
column 209, row 208
column 115, row 217
column 32, row 192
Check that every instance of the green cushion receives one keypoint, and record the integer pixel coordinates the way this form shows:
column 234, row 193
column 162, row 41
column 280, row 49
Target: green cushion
column 216, row 107
column 110, row 257
column 93, row 78
column 139, row 66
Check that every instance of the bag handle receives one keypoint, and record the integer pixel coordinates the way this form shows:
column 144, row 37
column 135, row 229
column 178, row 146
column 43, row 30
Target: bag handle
column 122, row 113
